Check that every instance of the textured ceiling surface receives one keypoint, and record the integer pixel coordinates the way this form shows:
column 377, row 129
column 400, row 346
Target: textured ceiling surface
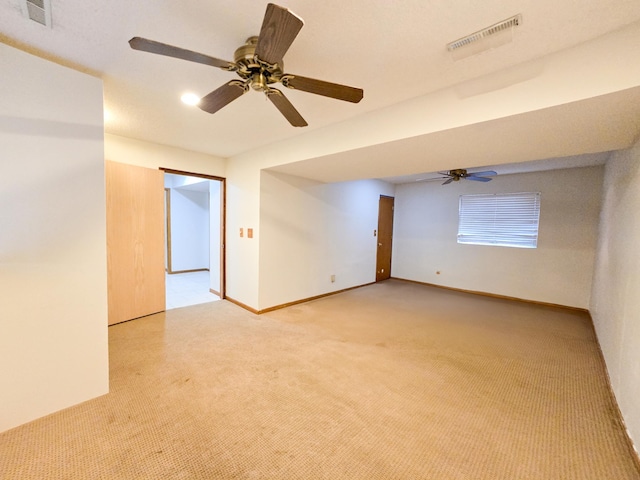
column 395, row 51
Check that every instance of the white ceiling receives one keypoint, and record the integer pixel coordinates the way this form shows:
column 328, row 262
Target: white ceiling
column 395, row 51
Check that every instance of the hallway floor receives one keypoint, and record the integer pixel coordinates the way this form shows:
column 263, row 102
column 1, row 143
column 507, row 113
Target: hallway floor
column 184, row 289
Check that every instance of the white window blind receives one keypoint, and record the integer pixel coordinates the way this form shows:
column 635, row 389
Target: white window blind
column 509, row 220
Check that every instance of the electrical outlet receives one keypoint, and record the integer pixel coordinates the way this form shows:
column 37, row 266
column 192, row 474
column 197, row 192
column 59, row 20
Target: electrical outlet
column 333, row 278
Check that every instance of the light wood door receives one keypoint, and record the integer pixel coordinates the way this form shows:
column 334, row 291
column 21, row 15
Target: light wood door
column 135, row 241
column 385, row 237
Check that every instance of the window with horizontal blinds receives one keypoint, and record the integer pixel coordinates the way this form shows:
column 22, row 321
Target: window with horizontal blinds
column 508, row 220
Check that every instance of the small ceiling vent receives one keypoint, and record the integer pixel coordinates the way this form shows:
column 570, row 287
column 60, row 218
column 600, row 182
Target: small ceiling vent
column 38, row 11
column 485, row 39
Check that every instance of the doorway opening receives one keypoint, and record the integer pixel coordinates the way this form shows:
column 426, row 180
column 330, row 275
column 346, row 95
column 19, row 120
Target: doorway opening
column 194, row 238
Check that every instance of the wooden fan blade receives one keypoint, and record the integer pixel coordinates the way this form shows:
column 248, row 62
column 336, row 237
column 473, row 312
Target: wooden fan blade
column 478, row 179
column 222, row 96
column 320, row 87
column 283, row 104
column 145, row 45
column 431, row 179
column 488, row 173
column 279, row 29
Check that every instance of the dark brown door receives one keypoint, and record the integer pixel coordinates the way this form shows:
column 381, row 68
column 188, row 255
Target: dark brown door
column 385, row 236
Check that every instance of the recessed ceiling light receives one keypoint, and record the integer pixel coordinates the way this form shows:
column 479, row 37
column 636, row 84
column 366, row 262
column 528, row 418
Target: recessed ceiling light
column 190, row 99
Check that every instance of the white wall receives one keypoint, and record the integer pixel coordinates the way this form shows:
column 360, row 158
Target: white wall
column 559, row 271
column 153, row 155
column 312, row 230
column 615, row 305
column 53, row 292
column 189, row 229
column 243, row 211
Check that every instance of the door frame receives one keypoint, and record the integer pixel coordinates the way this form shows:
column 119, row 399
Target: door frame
column 223, row 222
column 167, row 228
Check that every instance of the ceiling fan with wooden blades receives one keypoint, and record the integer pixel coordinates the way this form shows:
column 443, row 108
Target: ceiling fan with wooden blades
column 460, row 173
column 259, row 65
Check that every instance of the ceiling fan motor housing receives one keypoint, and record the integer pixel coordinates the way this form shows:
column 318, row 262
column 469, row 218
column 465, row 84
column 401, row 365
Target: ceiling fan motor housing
column 251, row 68
column 458, row 173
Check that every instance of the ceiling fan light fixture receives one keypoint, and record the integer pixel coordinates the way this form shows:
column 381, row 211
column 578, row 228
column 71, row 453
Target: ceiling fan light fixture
column 458, row 174
column 259, row 82
column 259, row 64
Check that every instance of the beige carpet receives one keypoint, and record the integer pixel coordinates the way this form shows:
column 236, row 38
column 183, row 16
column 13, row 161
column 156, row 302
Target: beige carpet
column 389, row 381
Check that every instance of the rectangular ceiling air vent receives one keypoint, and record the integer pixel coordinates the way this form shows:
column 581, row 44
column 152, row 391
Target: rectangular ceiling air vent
column 38, row 11
column 490, row 37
